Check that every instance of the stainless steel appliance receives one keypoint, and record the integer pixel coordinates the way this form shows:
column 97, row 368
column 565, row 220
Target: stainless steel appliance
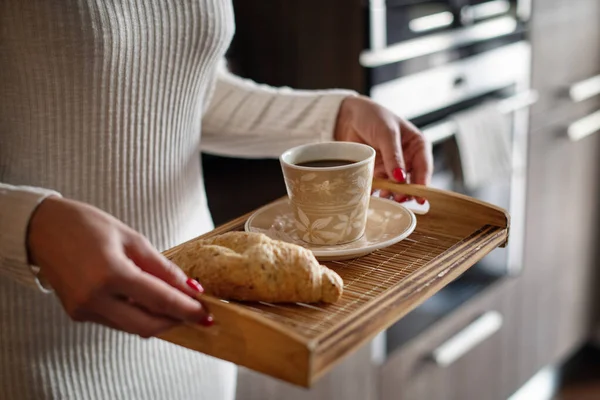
column 428, row 77
column 429, row 99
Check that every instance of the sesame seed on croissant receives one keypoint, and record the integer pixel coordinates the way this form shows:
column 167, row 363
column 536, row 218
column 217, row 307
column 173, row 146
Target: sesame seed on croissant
column 248, row 266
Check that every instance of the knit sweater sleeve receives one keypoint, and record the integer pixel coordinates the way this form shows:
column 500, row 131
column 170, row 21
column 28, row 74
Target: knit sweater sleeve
column 17, row 204
column 246, row 119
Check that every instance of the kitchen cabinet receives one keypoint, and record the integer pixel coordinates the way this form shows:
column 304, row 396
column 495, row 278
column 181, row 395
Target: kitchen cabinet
column 306, row 44
column 233, row 188
column 565, row 35
column 557, row 288
column 556, row 291
column 468, row 355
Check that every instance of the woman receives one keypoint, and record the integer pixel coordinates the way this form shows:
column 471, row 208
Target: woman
column 102, row 107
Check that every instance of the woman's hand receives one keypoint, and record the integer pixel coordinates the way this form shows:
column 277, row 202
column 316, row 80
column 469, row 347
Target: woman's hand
column 104, row 272
column 403, row 154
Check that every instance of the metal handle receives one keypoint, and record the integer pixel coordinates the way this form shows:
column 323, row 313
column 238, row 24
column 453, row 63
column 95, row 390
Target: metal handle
column 585, row 89
column 584, row 127
column 431, row 22
column 469, row 14
column 489, row 9
column 467, row 339
column 444, row 130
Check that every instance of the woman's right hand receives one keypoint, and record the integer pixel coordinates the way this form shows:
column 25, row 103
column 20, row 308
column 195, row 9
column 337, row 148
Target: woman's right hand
column 105, row 272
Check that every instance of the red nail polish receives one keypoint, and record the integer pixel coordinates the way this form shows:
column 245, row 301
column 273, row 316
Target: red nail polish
column 399, row 175
column 402, row 199
column 421, row 201
column 207, row 321
column 192, row 283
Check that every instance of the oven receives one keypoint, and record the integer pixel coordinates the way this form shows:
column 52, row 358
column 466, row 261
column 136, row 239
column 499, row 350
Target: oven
column 430, row 98
column 430, row 89
column 430, row 77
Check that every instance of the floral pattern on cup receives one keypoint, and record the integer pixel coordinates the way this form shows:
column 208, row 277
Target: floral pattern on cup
column 330, row 206
column 331, row 230
column 349, row 188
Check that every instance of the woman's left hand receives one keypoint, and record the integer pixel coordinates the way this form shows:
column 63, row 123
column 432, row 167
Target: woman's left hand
column 403, row 154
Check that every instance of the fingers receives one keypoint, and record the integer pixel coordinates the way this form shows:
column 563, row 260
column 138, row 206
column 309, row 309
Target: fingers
column 392, row 156
column 379, row 172
column 160, row 298
column 387, row 194
column 418, row 152
column 421, row 173
column 153, row 288
column 422, row 166
column 120, row 314
column 148, row 259
column 402, row 198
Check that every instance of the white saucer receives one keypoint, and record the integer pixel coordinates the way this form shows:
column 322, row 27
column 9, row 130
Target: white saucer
column 388, row 222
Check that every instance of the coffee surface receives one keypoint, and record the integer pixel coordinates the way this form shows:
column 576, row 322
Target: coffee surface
column 325, row 163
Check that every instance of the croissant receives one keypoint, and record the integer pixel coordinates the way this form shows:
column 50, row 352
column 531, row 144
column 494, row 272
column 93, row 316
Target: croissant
column 250, row 266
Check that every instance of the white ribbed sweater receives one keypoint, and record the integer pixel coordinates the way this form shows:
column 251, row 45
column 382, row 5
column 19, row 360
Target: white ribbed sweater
column 104, row 101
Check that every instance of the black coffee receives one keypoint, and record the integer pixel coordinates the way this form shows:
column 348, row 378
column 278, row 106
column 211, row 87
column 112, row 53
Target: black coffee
column 325, row 163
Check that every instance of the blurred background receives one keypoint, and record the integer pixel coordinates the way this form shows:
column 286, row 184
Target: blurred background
column 508, row 92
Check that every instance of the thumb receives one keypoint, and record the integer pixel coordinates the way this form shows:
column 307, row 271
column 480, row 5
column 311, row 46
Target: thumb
column 393, row 158
column 148, row 259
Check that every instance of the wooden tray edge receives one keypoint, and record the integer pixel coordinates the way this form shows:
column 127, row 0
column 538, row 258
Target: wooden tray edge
column 244, row 338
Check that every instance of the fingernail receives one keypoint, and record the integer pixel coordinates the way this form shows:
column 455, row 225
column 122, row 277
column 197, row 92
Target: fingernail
column 399, row 175
column 421, row 201
column 402, row 199
column 208, row 320
column 192, row 283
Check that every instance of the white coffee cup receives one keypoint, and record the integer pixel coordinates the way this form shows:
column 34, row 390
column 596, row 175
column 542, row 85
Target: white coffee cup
column 329, row 187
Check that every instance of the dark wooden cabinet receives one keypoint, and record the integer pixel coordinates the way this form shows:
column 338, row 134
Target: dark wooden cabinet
column 310, row 44
column 565, row 35
column 556, row 293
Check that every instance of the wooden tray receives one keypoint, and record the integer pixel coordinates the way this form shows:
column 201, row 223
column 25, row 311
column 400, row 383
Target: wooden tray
column 298, row 343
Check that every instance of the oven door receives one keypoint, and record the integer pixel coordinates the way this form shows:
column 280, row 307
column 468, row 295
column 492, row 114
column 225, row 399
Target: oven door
column 432, row 97
column 506, row 191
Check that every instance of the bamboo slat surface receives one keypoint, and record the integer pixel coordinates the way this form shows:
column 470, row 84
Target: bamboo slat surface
column 300, row 342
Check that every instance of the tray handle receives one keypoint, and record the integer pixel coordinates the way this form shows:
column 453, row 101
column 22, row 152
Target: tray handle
column 443, row 201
